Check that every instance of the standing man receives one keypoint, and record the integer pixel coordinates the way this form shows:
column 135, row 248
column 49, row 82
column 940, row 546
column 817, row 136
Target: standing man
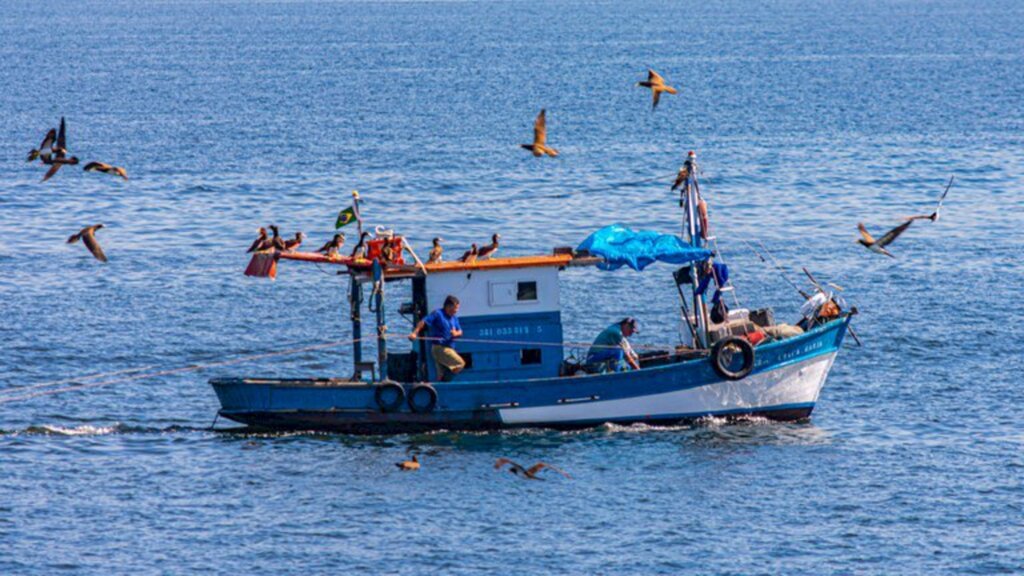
column 611, row 346
column 444, row 328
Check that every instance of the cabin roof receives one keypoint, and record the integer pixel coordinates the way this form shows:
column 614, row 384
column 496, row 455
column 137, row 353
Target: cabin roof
column 409, row 270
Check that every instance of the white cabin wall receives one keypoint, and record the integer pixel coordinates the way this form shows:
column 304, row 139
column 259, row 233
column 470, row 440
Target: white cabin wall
column 473, row 289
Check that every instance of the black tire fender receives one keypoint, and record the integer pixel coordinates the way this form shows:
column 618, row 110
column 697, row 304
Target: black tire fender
column 422, row 398
column 720, row 364
column 389, row 396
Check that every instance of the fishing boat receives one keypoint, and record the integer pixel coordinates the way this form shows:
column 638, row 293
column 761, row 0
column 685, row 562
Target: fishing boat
column 518, row 373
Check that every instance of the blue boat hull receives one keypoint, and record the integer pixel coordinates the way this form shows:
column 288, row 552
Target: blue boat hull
column 784, row 385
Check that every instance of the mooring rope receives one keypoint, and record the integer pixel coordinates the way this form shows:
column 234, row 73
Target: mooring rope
column 22, row 389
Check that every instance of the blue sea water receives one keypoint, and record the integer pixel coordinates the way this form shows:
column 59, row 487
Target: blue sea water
column 808, row 118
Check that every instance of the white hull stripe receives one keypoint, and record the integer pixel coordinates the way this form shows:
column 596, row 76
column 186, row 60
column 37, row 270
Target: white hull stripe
column 796, row 384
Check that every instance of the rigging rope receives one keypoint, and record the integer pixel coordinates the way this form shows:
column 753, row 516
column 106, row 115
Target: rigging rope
column 183, row 369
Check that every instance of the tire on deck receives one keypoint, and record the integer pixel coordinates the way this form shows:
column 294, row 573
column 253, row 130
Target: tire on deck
column 389, row 396
column 723, row 354
column 422, row 398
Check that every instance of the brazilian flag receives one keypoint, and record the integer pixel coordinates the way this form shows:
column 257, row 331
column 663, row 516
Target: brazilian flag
column 345, row 217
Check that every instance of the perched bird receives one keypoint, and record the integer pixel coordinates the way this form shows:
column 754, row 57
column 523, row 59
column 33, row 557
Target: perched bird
column 934, row 216
column 879, row 245
column 469, row 256
column 106, row 168
column 489, row 250
column 688, row 167
column 46, row 148
column 528, row 473
column 540, row 137
column 657, row 85
column 294, row 243
column 276, row 242
column 88, row 237
column 262, row 242
column 413, row 464
column 359, row 250
column 333, row 246
column 59, row 154
column 435, row 252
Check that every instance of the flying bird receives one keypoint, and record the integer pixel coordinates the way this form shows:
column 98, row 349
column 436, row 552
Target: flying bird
column 657, row 85
column 293, row 244
column 435, row 252
column 528, row 473
column 540, row 137
column 469, row 256
column 276, row 241
column 934, row 216
column 333, row 245
column 489, row 250
column 88, row 237
column 46, row 148
column 59, row 154
column 408, row 465
column 262, row 242
column 879, row 245
column 359, row 250
column 106, row 168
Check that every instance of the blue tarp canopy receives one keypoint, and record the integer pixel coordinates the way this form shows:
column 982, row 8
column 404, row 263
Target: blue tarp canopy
column 638, row 249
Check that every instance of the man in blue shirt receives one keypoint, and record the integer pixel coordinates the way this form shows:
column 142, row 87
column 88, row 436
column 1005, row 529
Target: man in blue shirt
column 611, row 347
column 444, row 328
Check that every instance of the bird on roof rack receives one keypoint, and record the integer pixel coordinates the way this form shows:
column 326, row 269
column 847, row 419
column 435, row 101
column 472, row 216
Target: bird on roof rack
column 262, row 242
column 333, row 246
column 469, row 256
column 435, row 252
column 487, row 251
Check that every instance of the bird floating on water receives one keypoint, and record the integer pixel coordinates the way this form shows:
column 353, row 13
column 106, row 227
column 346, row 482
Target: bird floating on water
column 435, row 252
column 106, row 168
column 333, row 246
column 408, row 465
column 88, row 237
column 528, row 473
column 469, row 256
column 59, row 154
column 540, row 137
column 657, row 85
column 489, row 250
column 934, row 216
column 879, row 245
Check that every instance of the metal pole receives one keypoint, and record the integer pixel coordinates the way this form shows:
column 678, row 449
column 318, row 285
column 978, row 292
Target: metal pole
column 382, row 327
column 699, row 309
column 359, row 217
column 355, row 305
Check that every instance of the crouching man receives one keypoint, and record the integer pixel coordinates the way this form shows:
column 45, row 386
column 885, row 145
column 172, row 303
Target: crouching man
column 611, row 347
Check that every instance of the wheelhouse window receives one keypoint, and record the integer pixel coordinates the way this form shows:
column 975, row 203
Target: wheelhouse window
column 529, row 356
column 526, row 291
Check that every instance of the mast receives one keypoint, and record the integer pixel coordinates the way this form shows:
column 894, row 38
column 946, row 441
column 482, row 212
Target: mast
column 355, row 305
column 691, row 190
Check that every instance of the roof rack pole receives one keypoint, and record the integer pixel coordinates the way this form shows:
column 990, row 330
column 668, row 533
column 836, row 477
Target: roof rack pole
column 355, row 302
column 382, row 327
